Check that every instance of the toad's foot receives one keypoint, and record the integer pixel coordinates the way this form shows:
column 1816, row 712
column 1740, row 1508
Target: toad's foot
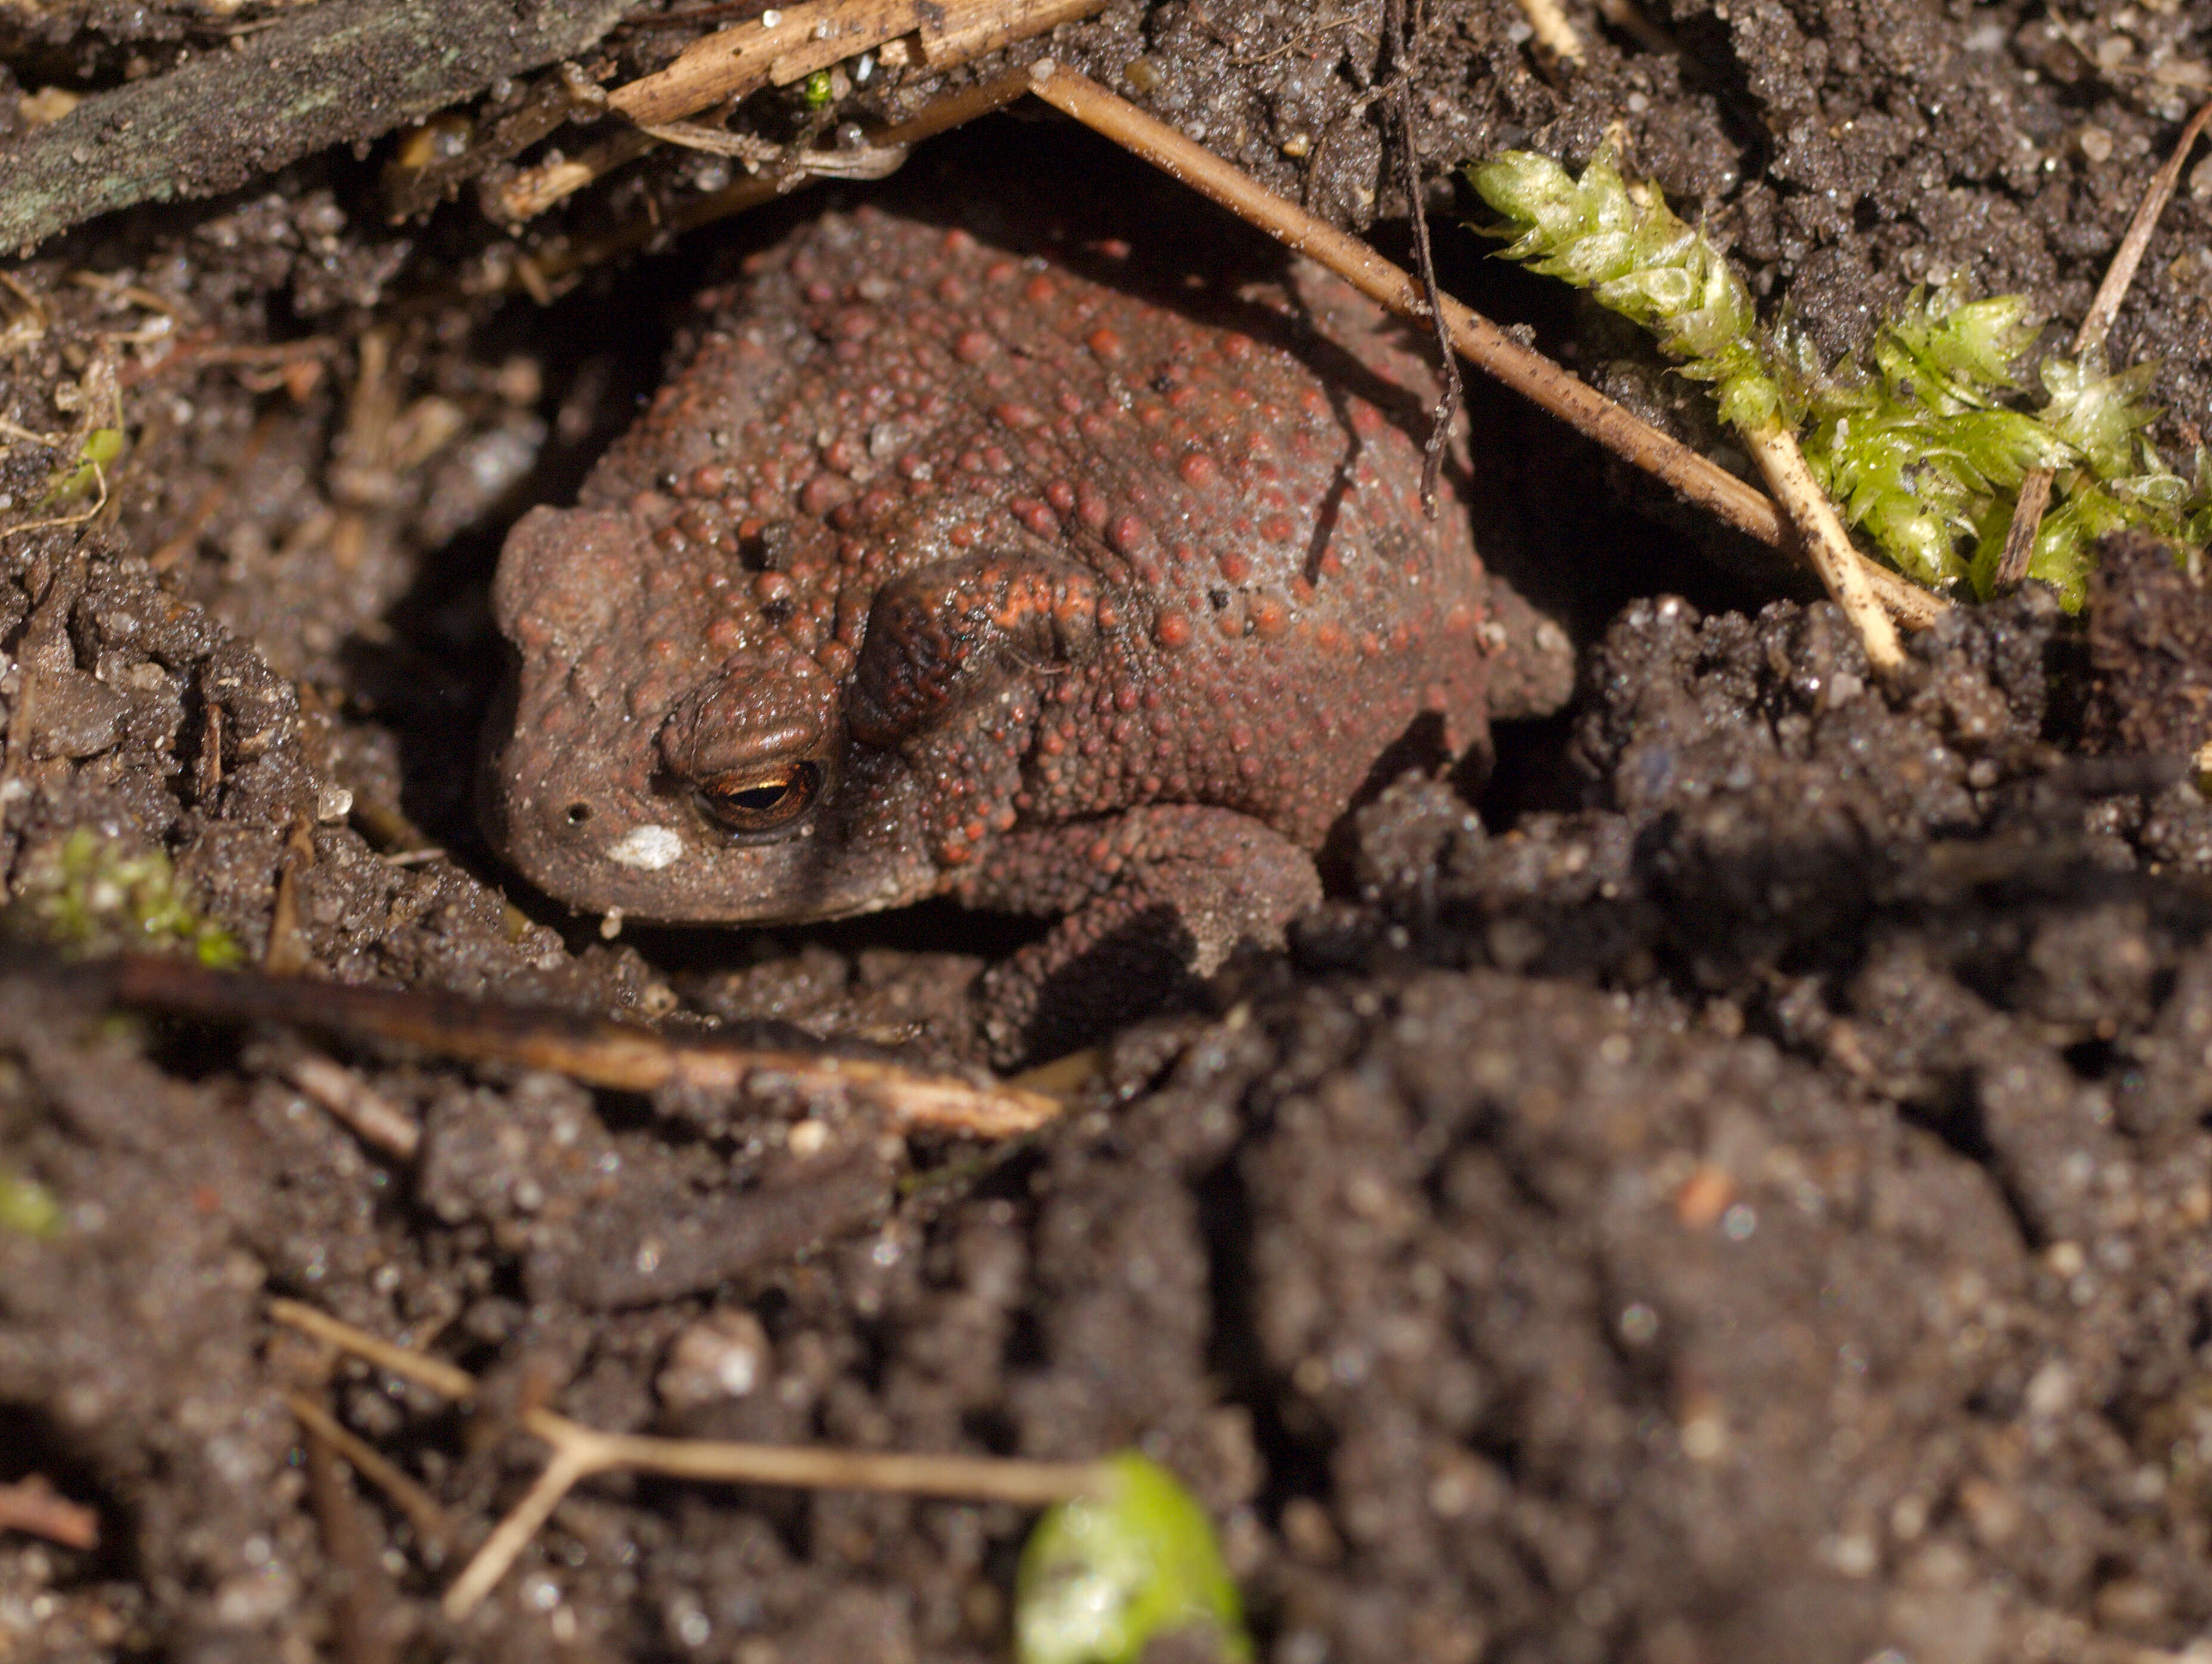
column 1154, row 898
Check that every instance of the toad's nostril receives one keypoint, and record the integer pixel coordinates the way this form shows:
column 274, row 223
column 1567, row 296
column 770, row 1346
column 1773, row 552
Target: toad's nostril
column 577, row 813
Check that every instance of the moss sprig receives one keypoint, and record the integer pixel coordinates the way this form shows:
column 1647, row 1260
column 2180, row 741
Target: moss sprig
column 81, row 477
column 1102, row 1576
column 1923, row 442
column 1637, row 258
column 94, row 893
column 28, row 1207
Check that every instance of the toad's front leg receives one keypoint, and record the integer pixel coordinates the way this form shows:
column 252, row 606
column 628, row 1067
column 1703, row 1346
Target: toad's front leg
column 1153, row 897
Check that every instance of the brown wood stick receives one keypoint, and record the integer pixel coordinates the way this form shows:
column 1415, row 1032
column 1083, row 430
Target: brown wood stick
column 783, row 45
column 987, row 27
column 34, row 1507
column 433, row 1374
column 1774, row 447
column 940, row 115
column 615, row 1055
column 2120, row 275
column 360, row 1590
column 579, row 1452
column 433, row 1524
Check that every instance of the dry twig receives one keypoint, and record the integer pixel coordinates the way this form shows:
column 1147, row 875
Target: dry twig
column 1554, row 33
column 433, row 1526
column 16, row 433
column 432, row 1374
column 1400, row 29
column 286, row 953
column 783, row 45
column 29, row 324
column 98, row 502
column 2096, row 324
column 953, row 110
column 579, row 1452
column 1774, row 448
column 360, row 1590
column 34, row 1507
column 1630, row 19
column 536, row 188
column 429, row 166
column 778, row 47
column 378, row 1122
column 615, row 1055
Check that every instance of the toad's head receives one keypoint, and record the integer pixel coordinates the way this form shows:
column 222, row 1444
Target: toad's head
column 672, row 754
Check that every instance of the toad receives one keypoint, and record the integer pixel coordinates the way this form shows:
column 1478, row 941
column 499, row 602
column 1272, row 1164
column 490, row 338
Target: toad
column 1058, row 577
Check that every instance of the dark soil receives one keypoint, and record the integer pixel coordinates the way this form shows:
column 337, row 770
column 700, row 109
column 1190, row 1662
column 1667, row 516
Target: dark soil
column 1737, row 1191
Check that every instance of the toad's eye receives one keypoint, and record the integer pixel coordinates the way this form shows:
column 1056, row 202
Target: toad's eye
column 762, row 801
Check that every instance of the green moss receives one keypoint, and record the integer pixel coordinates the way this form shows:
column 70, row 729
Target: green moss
column 102, row 447
column 94, row 894
column 1922, row 443
column 28, row 1207
column 1627, row 247
column 1100, row 1576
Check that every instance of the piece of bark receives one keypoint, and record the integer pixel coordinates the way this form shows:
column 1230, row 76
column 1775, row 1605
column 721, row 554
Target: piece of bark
column 340, row 73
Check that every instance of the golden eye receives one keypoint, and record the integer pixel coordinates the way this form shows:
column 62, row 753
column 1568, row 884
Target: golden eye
column 765, row 801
